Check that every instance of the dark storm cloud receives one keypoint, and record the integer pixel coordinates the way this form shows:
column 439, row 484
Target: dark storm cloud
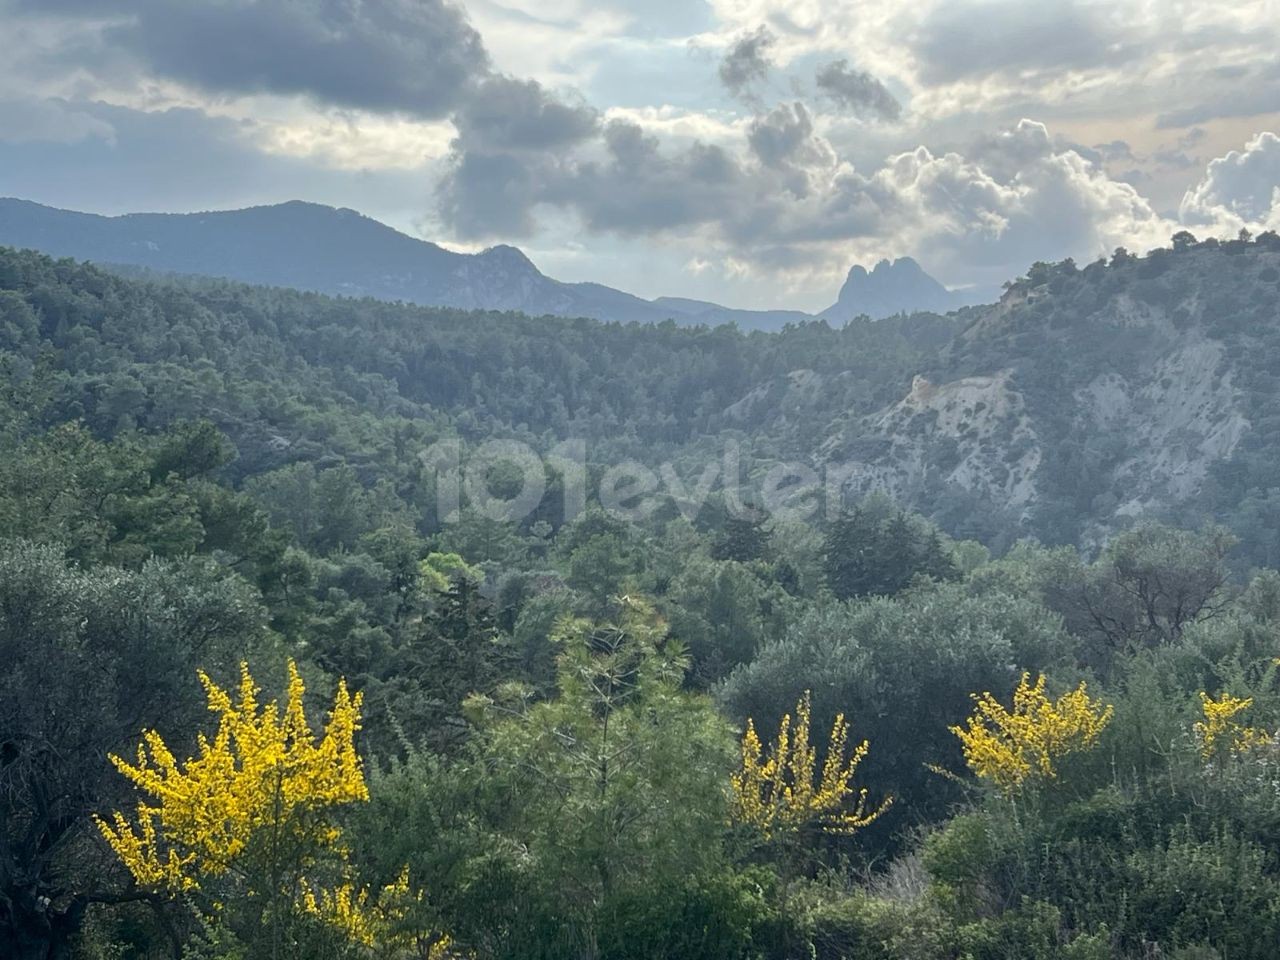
column 418, row 57
column 642, row 190
column 857, row 92
column 632, row 188
column 747, row 61
column 510, row 114
column 490, row 194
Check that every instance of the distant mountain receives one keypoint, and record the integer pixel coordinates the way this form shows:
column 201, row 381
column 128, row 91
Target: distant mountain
column 341, row 252
column 712, row 314
column 892, row 287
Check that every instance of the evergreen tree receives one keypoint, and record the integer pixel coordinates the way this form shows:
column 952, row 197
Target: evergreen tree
column 848, row 551
column 742, row 539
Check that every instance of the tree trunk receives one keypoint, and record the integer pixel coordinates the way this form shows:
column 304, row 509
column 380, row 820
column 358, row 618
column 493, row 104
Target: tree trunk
column 31, row 928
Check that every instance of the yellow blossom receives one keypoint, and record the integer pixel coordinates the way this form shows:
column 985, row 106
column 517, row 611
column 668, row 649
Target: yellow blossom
column 263, row 773
column 380, row 921
column 781, row 792
column 1009, row 747
column 1219, row 726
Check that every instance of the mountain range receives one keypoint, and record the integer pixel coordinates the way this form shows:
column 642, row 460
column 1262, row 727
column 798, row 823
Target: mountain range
column 340, row 252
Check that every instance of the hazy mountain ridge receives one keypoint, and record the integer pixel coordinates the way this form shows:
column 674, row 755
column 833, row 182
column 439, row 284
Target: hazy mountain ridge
column 341, row 252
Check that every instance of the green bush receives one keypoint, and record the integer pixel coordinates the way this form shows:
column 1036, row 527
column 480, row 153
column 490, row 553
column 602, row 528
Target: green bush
column 862, row 927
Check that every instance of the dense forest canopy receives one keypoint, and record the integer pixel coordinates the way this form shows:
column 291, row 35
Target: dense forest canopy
column 948, row 715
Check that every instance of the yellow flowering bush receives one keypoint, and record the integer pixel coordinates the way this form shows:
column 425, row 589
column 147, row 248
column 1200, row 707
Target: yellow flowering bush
column 260, row 790
column 781, row 791
column 381, row 921
column 1010, row 746
column 1219, row 727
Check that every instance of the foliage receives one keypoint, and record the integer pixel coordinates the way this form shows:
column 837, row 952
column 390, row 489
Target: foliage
column 89, row 657
column 438, row 570
column 868, row 555
column 903, row 668
column 200, row 473
column 617, row 780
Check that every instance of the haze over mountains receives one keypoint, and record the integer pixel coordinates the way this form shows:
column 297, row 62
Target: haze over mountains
column 341, row 252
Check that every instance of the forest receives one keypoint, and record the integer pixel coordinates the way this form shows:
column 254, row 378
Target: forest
column 261, row 698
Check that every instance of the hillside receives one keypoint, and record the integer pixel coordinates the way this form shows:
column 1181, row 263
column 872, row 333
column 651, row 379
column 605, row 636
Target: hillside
column 339, row 252
column 1087, row 398
column 303, row 531
column 1143, row 387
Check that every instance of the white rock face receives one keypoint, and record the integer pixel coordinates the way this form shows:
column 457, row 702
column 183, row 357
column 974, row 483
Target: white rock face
column 1180, row 420
column 1152, row 433
column 973, row 433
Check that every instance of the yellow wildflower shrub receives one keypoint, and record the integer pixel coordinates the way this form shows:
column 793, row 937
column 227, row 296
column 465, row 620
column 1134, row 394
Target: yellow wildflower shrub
column 781, row 791
column 382, row 921
column 1219, row 729
column 261, row 788
column 1010, row 746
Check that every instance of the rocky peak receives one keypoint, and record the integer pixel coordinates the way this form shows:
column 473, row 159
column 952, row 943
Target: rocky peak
column 890, row 287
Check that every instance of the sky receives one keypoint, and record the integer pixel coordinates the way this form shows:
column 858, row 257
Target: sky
column 742, row 151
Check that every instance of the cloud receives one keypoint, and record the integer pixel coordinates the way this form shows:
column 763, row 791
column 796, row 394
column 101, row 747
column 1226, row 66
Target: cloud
column 747, row 61
column 49, row 121
column 784, row 141
column 1241, row 90
column 417, row 57
column 857, row 92
column 959, row 40
column 778, row 135
column 624, row 184
column 491, row 195
column 1043, row 204
column 509, row 114
column 788, row 204
column 184, row 159
column 1239, row 190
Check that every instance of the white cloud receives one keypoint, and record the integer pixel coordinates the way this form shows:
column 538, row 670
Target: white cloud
column 355, row 141
column 1239, row 190
column 679, row 125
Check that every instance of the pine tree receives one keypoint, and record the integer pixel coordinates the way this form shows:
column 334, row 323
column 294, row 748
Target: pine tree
column 742, row 539
column 848, row 554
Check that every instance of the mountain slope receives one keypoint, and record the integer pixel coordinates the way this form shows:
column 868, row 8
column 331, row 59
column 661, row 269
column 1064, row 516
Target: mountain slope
column 1083, row 400
column 340, row 252
column 1087, row 398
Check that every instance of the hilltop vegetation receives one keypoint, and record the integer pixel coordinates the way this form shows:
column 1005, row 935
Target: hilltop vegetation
column 549, row 758
column 1136, row 387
